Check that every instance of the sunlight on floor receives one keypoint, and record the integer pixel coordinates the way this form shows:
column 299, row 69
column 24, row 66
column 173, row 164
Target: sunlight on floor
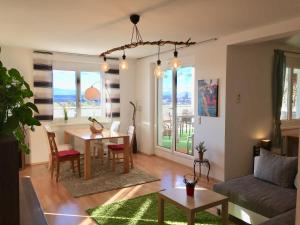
column 119, row 196
column 62, row 214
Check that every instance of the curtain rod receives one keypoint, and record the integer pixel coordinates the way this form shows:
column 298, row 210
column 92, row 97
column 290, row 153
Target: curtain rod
column 292, row 52
column 198, row 43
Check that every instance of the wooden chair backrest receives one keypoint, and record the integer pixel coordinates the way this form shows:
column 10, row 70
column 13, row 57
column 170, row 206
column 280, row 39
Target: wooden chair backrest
column 130, row 133
column 51, row 139
column 115, row 126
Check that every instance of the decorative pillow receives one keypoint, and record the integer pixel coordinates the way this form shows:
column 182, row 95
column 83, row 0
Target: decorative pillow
column 276, row 169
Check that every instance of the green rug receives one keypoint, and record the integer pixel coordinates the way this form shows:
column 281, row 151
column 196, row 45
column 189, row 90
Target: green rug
column 143, row 211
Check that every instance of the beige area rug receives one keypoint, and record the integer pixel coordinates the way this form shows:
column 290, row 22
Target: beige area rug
column 103, row 179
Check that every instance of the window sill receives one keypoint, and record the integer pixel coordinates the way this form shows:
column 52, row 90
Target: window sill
column 290, row 124
column 73, row 122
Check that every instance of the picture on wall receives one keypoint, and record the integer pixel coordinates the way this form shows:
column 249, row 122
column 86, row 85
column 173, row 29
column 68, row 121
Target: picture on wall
column 208, row 97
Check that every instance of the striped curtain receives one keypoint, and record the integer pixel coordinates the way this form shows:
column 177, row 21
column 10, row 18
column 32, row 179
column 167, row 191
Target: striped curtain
column 42, row 77
column 112, row 87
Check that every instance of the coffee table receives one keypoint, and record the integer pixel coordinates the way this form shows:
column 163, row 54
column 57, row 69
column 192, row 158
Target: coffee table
column 202, row 200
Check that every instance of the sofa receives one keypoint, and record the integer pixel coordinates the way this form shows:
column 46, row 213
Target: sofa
column 268, row 196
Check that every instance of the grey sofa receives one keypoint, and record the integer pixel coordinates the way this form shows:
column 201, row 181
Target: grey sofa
column 260, row 197
column 268, row 197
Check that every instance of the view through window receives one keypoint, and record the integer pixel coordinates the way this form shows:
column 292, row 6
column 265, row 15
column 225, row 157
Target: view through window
column 290, row 102
column 175, row 116
column 68, row 94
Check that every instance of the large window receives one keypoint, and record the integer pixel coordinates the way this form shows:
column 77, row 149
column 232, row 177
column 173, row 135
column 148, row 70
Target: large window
column 175, row 110
column 290, row 103
column 68, row 93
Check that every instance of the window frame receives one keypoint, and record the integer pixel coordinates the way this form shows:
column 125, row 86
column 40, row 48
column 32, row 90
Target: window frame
column 78, row 91
column 289, row 122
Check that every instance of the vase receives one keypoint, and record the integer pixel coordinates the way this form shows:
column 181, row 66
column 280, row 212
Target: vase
column 190, row 190
column 201, row 156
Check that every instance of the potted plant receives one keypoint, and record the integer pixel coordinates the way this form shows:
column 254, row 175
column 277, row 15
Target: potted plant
column 201, row 149
column 190, row 183
column 16, row 116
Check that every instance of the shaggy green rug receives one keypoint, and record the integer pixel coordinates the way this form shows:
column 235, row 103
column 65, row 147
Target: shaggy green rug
column 143, row 211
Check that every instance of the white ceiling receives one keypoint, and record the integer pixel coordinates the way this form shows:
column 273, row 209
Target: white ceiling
column 93, row 26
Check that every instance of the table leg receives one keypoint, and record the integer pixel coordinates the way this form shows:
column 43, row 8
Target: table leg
column 160, row 210
column 208, row 165
column 200, row 170
column 87, row 160
column 190, row 217
column 225, row 213
column 194, row 169
column 67, row 138
column 126, row 154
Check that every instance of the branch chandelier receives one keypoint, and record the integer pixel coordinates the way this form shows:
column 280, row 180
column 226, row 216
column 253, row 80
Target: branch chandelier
column 137, row 40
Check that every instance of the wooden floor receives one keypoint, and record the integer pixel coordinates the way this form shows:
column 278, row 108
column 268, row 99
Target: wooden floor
column 62, row 209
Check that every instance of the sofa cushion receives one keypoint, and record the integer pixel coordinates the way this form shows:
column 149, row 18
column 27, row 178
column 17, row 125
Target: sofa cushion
column 276, row 169
column 287, row 218
column 258, row 196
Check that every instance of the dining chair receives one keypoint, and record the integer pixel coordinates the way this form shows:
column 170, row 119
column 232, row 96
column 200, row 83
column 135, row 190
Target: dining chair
column 61, row 156
column 100, row 146
column 117, row 149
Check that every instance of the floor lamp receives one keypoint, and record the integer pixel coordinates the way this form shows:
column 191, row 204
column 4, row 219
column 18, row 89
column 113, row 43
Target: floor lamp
column 94, row 94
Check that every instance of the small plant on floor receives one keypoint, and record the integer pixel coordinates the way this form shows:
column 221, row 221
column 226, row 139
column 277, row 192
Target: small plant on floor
column 201, row 149
column 16, row 112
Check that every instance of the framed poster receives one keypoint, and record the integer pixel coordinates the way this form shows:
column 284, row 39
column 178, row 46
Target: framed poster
column 208, row 97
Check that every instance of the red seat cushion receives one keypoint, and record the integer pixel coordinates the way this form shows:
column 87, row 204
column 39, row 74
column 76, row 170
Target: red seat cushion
column 118, row 147
column 67, row 153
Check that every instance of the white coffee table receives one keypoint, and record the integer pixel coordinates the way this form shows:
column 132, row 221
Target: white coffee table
column 202, row 200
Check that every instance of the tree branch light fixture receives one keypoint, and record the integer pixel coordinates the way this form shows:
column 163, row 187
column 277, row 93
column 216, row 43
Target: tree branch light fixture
column 136, row 41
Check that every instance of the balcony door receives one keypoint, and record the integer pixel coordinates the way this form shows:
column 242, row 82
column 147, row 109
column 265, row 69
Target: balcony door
column 175, row 110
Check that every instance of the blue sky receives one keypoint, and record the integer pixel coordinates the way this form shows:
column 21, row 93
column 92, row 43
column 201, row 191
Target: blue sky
column 184, row 80
column 66, row 80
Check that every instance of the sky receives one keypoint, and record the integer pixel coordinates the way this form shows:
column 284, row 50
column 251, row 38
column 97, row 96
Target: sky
column 184, row 80
column 67, row 80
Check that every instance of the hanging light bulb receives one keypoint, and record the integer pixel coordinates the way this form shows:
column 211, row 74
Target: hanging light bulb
column 123, row 64
column 175, row 63
column 158, row 72
column 104, row 65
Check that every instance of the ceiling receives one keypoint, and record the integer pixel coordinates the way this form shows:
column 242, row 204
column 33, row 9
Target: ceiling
column 93, row 26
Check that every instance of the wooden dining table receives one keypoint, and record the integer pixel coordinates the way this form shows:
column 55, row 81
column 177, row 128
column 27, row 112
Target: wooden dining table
column 87, row 136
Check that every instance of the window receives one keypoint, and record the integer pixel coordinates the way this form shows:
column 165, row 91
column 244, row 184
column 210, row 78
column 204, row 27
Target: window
column 64, row 93
column 175, row 110
column 290, row 102
column 68, row 93
column 90, row 108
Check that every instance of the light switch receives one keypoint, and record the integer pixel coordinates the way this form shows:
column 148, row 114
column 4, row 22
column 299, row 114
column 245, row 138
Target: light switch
column 238, row 99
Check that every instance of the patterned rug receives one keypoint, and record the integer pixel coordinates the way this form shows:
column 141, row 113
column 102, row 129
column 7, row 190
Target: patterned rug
column 104, row 179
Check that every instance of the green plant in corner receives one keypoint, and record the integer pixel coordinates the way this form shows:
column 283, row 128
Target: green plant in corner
column 16, row 113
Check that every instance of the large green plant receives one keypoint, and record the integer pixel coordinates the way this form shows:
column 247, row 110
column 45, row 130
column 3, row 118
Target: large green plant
column 16, row 113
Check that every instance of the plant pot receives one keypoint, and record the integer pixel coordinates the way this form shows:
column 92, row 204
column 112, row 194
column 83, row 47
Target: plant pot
column 201, row 155
column 9, row 180
column 190, row 190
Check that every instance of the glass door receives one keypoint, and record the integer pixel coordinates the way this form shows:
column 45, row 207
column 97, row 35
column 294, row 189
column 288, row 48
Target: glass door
column 165, row 110
column 175, row 110
column 184, row 110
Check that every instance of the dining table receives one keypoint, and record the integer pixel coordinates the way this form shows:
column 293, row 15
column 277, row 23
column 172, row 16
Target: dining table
column 87, row 137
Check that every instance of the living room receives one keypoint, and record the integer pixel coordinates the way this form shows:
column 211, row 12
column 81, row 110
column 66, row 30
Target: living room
column 233, row 54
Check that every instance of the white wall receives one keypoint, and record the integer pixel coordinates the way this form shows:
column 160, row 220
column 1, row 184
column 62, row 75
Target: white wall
column 209, row 61
column 22, row 59
column 127, row 93
column 248, row 104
